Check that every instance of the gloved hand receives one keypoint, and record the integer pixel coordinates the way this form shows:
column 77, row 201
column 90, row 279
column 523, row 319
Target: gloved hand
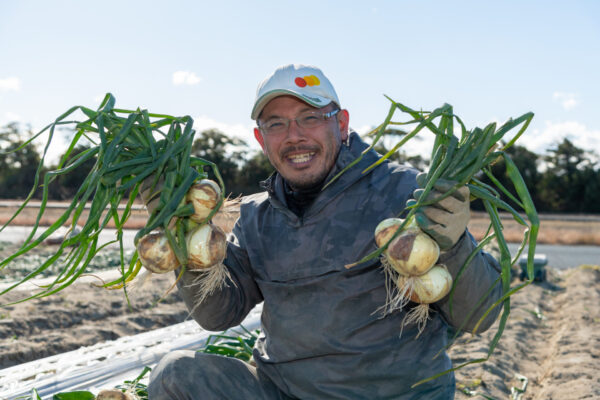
column 446, row 220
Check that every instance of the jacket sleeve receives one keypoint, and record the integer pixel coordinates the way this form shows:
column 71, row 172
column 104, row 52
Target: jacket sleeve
column 477, row 288
column 227, row 307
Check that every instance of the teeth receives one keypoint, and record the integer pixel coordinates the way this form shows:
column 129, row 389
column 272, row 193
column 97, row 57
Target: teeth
column 301, row 158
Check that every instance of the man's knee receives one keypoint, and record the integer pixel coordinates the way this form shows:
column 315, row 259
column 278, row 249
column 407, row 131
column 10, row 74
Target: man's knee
column 173, row 366
column 185, row 374
column 172, row 377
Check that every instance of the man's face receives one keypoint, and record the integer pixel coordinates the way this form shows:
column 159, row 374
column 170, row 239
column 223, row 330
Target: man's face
column 302, row 156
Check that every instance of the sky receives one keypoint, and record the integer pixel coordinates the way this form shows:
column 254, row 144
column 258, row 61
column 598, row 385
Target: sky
column 490, row 60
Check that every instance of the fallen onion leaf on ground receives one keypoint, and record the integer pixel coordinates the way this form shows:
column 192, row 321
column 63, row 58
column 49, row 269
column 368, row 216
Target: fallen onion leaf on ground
column 239, row 346
column 128, row 146
column 462, row 159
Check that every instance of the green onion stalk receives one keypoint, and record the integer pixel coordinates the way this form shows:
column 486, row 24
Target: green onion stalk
column 128, row 147
column 461, row 155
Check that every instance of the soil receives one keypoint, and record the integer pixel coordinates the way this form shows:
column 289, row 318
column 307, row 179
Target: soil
column 82, row 315
column 550, row 348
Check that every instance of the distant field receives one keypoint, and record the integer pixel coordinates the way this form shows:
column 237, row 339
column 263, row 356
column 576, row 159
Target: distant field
column 554, row 229
column 54, row 210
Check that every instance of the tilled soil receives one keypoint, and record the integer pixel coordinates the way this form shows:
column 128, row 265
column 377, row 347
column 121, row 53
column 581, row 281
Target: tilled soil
column 550, row 349
column 83, row 315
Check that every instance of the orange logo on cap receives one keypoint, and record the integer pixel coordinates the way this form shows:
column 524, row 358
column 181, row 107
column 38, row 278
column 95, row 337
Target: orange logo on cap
column 309, row 80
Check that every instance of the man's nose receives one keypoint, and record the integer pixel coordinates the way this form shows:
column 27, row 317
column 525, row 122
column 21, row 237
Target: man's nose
column 294, row 132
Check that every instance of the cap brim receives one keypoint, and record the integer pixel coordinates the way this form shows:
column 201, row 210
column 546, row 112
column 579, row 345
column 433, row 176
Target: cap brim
column 315, row 101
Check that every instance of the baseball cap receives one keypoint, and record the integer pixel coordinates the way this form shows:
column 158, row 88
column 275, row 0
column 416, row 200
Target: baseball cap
column 306, row 82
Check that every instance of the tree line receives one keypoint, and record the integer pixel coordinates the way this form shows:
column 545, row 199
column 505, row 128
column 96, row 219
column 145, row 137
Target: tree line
column 566, row 179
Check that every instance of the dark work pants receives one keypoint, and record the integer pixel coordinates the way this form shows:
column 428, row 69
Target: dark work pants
column 191, row 375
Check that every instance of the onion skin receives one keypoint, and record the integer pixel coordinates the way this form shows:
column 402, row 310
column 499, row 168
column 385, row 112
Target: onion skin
column 204, row 196
column 113, row 394
column 429, row 287
column 207, row 246
column 156, row 254
column 412, row 252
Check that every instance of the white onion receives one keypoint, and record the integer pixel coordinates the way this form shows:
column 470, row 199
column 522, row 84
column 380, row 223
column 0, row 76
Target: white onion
column 206, row 247
column 204, row 195
column 156, row 254
column 412, row 252
column 429, row 287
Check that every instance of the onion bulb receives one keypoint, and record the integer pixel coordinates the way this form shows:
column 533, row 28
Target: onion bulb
column 429, row 287
column 156, row 254
column 412, row 252
column 204, row 196
column 113, row 394
column 425, row 289
column 206, row 246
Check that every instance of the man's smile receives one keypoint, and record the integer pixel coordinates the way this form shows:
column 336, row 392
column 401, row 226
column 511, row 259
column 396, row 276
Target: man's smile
column 300, row 158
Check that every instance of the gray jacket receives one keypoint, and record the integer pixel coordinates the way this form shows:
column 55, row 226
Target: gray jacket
column 322, row 336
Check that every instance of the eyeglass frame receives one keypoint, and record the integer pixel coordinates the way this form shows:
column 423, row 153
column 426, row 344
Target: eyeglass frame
column 325, row 116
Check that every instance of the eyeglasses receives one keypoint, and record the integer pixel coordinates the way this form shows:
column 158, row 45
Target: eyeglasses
column 307, row 119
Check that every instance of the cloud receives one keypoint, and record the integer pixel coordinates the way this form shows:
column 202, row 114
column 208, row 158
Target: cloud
column 419, row 145
column 11, row 83
column 553, row 133
column 185, row 78
column 567, row 100
column 362, row 130
column 241, row 131
column 10, row 116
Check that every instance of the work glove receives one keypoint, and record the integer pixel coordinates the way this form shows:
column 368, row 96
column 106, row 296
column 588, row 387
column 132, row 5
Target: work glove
column 446, row 220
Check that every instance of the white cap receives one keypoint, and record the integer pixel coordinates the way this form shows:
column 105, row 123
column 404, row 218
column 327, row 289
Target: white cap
column 303, row 81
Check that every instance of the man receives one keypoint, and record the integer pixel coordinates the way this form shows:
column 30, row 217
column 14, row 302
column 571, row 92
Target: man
column 322, row 334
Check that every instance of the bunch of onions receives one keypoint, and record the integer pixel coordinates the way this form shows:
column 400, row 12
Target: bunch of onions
column 205, row 243
column 410, row 260
column 131, row 151
column 206, row 246
column 463, row 155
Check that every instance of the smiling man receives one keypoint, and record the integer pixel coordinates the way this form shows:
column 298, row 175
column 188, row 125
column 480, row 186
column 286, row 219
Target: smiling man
column 323, row 335
column 300, row 141
column 300, row 124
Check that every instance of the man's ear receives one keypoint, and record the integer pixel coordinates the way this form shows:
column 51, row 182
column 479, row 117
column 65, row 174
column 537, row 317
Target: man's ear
column 344, row 123
column 260, row 139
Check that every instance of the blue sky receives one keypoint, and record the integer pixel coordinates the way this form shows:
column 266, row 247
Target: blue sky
column 490, row 60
